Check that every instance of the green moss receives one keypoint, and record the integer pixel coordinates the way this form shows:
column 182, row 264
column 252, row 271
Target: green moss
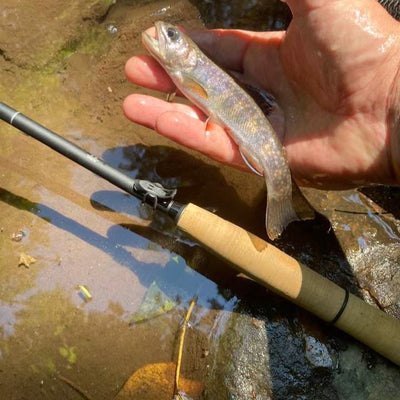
column 68, row 353
column 92, row 42
column 50, row 366
column 59, row 330
column 34, row 369
column 63, row 351
column 17, row 201
column 72, row 357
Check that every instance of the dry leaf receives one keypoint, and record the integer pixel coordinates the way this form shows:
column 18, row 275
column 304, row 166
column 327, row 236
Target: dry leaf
column 156, row 381
column 26, row 260
column 155, row 303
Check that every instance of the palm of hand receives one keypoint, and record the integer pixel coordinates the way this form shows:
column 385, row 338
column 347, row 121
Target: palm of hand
column 330, row 80
column 332, row 83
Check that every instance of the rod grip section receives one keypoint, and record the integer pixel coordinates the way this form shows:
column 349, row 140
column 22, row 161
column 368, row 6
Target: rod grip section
column 281, row 273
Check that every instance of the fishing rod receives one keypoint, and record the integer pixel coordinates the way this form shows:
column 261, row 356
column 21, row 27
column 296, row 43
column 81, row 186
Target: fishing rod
column 249, row 254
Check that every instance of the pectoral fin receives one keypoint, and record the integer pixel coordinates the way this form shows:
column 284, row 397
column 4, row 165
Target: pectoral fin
column 252, row 166
column 195, row 87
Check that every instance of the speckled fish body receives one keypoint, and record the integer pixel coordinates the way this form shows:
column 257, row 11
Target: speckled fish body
column 225, row 102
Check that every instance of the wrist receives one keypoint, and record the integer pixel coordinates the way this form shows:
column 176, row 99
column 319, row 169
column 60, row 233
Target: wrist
column 394, row 126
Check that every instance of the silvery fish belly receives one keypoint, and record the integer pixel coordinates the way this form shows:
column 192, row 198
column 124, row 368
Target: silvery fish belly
column 221, row 98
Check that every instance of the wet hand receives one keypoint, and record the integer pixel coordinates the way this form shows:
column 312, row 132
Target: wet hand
column 332, row 73
column 182, row 123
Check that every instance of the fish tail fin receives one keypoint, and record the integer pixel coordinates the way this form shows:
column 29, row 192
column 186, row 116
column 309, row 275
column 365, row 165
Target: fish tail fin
column 280, row 213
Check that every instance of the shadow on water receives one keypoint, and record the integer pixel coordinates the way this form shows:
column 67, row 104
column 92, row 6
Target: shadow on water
column 312, row 242
column 173, row 277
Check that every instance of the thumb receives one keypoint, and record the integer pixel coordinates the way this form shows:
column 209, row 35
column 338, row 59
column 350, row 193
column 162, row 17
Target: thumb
column 302, row 6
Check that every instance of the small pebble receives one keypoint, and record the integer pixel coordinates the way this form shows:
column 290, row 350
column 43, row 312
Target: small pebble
column 18, row 236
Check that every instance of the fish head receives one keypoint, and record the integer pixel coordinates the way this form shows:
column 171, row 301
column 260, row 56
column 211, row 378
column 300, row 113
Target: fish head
column 172, row 48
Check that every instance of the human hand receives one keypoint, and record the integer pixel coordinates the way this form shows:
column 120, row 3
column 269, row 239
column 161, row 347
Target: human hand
column 333, row 73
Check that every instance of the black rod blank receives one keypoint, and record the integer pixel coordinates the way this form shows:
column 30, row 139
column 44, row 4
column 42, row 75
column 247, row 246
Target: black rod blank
column 66, row 148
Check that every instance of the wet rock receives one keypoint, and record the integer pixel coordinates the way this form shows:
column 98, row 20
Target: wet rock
column 276, row 361
column 48, row 32
column 285, row 359
column 317, row 353
column 369, row 237
column 377, row 269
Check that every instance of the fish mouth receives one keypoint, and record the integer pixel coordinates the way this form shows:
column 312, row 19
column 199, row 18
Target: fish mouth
column 153, row 43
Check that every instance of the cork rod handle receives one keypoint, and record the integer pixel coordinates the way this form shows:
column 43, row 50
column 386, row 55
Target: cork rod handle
column 284, row 275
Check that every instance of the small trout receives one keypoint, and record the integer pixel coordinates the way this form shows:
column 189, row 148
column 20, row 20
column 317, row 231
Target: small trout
column 217, row 94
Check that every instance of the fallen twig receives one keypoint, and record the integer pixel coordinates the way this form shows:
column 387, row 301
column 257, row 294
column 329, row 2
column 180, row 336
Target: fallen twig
column 181, row 342
column 73, row 386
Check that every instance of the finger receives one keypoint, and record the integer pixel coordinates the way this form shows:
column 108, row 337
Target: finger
column 146, row 71
column 145, row 110
column 185, row 125
column 191, row 132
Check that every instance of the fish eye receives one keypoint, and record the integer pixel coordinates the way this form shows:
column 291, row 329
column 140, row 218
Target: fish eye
column 173, row 33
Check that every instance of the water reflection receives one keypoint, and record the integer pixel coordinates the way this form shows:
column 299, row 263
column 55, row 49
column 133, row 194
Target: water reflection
column 121, row 244
column 8, row 311
column 255, row 14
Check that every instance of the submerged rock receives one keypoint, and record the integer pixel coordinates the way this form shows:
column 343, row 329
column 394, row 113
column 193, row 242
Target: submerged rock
column 356, row 379
column 285, row 360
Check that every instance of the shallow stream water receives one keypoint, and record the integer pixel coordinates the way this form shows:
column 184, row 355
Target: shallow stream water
column 64, row 67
